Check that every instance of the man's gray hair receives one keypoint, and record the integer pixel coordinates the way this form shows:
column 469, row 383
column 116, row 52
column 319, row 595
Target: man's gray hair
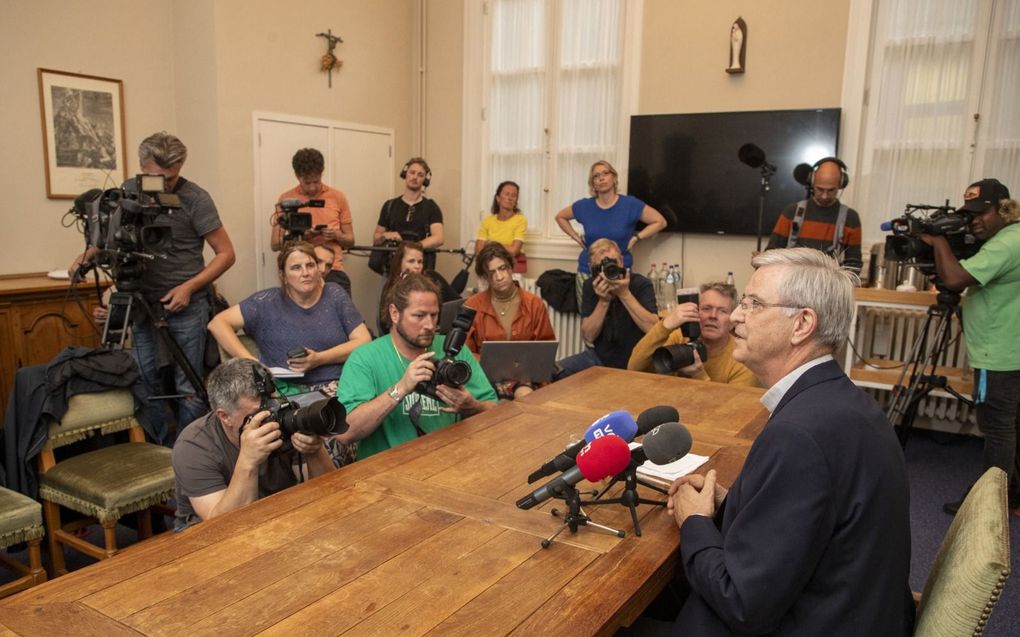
column 163, row 148
column 812, row 279
column 232, row 381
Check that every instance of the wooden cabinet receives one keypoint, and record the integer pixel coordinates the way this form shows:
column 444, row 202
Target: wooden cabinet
column 38, row 319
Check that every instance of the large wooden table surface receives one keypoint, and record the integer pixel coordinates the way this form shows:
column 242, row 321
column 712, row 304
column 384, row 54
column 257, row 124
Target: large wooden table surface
column 421, row 539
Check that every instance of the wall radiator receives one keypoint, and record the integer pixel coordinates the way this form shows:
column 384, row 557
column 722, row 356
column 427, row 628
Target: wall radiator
column 889, row 334
column 566, row 326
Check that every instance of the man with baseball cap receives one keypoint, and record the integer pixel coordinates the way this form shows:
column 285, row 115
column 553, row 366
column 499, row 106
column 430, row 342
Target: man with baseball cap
column 990, row 310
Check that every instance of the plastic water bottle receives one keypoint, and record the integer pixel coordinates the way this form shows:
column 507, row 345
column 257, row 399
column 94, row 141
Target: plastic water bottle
column 678, row 277
column 669, row 290
column 653, row 276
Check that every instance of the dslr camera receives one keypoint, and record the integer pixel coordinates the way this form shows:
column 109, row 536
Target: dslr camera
column 323, row 417
column 905, row 244
column 450, row 371
column 295, row 223
column 609, row 268
column 669, row 359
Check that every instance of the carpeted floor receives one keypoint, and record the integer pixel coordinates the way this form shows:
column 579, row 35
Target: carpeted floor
column 940, row 466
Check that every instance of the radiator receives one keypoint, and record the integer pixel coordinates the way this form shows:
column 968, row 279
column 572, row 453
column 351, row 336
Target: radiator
column 566, row 326
column 890, row 334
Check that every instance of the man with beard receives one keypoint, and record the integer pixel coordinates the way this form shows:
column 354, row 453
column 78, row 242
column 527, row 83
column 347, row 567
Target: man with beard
column 379, row 385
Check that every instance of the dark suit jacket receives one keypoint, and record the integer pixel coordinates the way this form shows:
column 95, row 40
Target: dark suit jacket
column 814, row 536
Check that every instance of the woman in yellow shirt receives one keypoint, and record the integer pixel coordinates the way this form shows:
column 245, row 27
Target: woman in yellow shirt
column 506, row 224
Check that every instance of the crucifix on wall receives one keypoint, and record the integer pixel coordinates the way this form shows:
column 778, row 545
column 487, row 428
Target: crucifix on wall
column 330, row 61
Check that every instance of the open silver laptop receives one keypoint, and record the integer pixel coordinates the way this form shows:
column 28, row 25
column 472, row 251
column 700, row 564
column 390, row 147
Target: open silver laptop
column 522, row 361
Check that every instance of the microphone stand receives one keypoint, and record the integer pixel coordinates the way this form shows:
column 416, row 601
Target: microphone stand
column 630, row 497
column 575, row 517
column 767, row 170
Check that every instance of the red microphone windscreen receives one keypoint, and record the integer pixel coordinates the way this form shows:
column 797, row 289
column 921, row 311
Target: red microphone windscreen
column 604, row 457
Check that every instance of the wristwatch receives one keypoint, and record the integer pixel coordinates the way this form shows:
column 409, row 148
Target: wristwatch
column 394, row 393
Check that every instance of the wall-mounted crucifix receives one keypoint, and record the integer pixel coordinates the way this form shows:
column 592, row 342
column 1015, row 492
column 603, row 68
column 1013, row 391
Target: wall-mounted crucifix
column 330, row 61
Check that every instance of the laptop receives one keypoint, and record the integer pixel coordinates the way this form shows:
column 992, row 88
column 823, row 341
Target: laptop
column 522, row 361
column 447, row 314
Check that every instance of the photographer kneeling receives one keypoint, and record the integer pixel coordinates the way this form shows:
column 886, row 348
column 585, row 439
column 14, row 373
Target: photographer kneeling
column 712, row 315
column 990, row 310
column 234, row 455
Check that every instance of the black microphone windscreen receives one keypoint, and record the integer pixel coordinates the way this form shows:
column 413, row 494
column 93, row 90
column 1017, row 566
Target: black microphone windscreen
column 655, row 416
column 666, row 443
column 751, row 155
column 84, row 199
column 802, row 174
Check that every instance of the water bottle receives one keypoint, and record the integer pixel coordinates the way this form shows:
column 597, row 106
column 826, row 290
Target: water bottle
column 653, row 276
column 669, row 290
column 678, row 277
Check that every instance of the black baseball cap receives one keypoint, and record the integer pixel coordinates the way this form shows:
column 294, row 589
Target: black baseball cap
column 990, row 193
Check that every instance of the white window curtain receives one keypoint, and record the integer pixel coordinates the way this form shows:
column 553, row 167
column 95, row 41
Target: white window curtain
column 554, row 102
column 942, row 109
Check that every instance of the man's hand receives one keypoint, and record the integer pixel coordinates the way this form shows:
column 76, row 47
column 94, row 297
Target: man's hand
column 330, row 234
column 460, row 400
column 694, row 369
column 307, row 444
column 99, row 314
column 694, row 495
column 177, row 299
column 392, row 236
column 603, row 287
column 621, row 287
column 259, row 439
column 683, row 313
column 420, row 369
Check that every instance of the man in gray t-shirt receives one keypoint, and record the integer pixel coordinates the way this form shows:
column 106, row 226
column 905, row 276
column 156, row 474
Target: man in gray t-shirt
column 231, row 456
column 177, row 280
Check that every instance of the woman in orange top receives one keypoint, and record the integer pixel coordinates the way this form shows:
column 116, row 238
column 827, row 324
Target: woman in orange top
column 505, row 312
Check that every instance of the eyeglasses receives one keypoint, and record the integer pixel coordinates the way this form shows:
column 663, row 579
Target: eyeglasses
column 710, row 309
column 600, row 174
column 751, row 305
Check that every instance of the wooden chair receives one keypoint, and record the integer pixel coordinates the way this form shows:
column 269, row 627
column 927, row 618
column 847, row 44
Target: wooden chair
column 21, row 521
column 972, row 564
column 104, row 484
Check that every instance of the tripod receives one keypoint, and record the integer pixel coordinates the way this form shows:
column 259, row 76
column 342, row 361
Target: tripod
column 575, row 517
column 922, row 365
column 630, row 498
column 767, row 170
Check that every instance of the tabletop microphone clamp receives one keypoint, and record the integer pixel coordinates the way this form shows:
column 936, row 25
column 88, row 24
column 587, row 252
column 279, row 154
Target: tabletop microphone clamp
column 575, row 517
column 629, row 497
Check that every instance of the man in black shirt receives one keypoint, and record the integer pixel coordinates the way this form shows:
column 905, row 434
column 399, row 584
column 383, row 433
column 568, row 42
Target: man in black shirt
column 412, row 216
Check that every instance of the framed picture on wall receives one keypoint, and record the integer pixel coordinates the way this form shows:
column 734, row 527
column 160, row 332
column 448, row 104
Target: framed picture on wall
column 83, row 132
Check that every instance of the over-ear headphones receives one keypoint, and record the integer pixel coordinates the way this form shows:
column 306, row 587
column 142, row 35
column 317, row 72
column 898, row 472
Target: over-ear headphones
column 418, row 160
column 844, row 176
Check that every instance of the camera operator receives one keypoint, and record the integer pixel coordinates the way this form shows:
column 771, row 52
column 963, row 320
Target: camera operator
column 617, row 309
column 179, row 280
column 412, row 216
column 224, row 460
column 990, row 310
column 382, row 382
column 332, row 224
column 712, row 313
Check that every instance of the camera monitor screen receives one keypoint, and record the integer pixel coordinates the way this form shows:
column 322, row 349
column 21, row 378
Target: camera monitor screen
column 151, row 183
column 686, row 166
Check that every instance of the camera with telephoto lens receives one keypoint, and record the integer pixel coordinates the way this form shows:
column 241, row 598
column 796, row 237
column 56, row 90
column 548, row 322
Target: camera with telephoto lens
column 324, row 417
column 450, row 371
column 670, row 358
column 295, row 223
column 127, row 227
column 906, row 244
column 609, row 268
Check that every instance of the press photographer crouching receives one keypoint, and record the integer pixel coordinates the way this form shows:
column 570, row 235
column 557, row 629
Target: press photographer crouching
column 239, row 452
column 694, row 341
column 990, row 310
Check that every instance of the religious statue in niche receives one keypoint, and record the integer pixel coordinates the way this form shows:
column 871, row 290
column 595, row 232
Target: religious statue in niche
column 330, row 61
column 738, row 46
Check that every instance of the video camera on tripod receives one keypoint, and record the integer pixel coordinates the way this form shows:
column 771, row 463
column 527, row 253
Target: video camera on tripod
column 905, row 243
column 295, row 223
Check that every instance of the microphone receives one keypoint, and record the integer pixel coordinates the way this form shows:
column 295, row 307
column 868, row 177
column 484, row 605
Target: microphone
column 619, row 423
column 655, row 416
column 665, row 444
column 802, row 174
column 753, row 156
column 603, row 457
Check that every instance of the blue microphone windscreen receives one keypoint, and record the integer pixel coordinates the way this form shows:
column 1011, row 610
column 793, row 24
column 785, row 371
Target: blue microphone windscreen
column 617, row 423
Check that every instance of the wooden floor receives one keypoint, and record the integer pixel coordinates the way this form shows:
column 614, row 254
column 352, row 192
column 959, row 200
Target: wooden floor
column 422, row 539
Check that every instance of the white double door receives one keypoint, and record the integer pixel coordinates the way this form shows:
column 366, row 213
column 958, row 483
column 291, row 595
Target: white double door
column 359, row 161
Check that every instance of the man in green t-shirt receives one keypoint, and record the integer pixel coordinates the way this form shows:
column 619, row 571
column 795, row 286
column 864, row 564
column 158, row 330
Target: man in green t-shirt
column 990, row 311
column 379, row 380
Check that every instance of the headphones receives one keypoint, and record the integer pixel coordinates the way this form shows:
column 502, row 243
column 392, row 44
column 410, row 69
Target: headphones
column 418, row 160
column 844, row 177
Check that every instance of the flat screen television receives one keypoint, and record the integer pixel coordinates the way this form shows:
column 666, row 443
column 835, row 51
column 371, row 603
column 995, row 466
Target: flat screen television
column 686, row 166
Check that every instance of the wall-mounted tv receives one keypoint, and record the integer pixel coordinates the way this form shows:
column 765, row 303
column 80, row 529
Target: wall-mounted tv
column 686, row 166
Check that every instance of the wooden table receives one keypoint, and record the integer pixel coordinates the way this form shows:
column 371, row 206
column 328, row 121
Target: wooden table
column 421, row 539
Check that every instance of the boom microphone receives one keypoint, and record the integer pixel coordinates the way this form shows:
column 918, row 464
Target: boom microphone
column 753, row 156
column 619, row 423
column 603, row 457
column 802, row 174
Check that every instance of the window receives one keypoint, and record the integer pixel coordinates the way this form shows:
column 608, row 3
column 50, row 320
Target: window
column 942, row 111
column 554, row 100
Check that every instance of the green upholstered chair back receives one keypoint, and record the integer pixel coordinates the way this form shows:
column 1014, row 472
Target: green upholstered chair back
column 972, row 564
column 20, row 518
column 108, row 411
column 249, row 344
